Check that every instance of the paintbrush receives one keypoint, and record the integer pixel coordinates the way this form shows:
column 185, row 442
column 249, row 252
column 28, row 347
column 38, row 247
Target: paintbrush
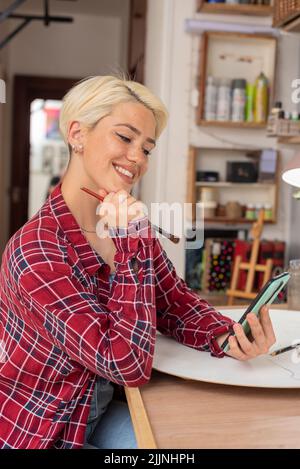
column 284, row 349
column 164, row 233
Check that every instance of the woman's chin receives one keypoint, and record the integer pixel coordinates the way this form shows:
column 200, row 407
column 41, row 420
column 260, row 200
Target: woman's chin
column 115, row 186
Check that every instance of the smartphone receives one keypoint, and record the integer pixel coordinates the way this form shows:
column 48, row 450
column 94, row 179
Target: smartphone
column 265, row 297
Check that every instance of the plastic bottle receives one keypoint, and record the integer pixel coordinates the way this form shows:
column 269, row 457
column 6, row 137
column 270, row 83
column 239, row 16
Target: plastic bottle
column 258, row 208
column 250, row 212
column 283, row 123
column 210, row 99
column 224, row 100
column 261, row 98
column 238, row 100
column 250, row 91
column 268, row 212
column 277, row 107
column 273, row 119
column 294, row 124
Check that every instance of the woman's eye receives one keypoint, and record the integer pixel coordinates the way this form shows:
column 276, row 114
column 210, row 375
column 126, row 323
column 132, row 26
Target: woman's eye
column 147, row 152
column 125, row 139
column 128, row 140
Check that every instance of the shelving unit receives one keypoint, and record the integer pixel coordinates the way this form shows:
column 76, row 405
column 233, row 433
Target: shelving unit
column 230, row 221
column 293, row 26
column 230, row 185
column 287, row 15
column 227, row 9
column 244, row 193
column 239, row 125
column 289, row 140
column 235, row 55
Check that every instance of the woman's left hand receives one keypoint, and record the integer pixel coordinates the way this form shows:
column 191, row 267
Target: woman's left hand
column 262, row 333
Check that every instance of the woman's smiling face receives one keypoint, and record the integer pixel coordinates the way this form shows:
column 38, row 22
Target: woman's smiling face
column 116, row 150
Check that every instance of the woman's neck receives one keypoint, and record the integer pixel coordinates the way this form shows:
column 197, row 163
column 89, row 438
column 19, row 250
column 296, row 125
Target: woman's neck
column 81, row 205
column 83, row 208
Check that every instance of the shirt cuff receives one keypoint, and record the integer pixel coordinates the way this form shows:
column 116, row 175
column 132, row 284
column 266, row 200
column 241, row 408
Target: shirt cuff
column 138, row 232
column 215, row 349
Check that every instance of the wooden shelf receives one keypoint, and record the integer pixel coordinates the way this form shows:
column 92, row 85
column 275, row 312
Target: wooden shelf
column 229, row 55
column 258, row 192
column 238, row 125
column 227, row 9
column 252, row 185
column 289, row 140
column 292, row 26
column 232, row 220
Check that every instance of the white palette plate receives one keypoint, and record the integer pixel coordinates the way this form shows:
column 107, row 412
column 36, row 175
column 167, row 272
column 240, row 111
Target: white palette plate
column 282, row 371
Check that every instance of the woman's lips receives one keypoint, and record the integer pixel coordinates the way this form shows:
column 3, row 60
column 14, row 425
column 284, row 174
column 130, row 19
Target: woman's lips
column 124, row 177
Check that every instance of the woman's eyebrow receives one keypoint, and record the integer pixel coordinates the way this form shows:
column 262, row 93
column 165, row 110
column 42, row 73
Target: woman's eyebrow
column 136, row 131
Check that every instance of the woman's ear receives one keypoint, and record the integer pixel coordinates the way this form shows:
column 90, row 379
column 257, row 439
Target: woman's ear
column 75, row 134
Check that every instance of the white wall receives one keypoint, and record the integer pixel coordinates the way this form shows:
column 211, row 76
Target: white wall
column 3, row 132
column 168, row 72
column 91, row 45
column 2, row 111
column 171, row 71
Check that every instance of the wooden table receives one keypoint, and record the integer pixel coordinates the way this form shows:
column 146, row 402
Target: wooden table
column 171, row 412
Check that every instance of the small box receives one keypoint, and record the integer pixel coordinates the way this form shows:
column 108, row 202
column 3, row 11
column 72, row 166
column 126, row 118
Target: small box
column 241, row 171
column 208, row 176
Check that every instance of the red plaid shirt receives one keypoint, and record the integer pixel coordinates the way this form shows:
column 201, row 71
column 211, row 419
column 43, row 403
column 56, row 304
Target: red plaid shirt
column 61, row 326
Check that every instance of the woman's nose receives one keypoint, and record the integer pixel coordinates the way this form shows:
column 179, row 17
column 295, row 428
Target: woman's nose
column 136, row 155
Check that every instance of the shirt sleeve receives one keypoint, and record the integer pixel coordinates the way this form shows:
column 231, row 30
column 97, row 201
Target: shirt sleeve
column 181, row 313
column 115, row 341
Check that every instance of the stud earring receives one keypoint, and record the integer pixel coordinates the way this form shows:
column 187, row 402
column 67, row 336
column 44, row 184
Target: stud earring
column 77, row 149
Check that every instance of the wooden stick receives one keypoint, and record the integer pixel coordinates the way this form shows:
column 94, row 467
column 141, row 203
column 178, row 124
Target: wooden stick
column 141, row 425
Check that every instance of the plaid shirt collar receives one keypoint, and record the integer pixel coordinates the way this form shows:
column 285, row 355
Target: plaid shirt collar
column 90, row 259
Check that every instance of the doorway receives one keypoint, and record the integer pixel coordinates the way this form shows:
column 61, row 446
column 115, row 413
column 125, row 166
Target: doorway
column 29, row 91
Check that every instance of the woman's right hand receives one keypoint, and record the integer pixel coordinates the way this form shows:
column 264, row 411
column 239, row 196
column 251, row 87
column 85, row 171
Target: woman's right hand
column 118, row 209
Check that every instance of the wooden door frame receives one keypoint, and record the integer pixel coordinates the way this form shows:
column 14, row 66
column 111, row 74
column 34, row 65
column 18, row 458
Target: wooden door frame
column 26, row 89
column 137, row 39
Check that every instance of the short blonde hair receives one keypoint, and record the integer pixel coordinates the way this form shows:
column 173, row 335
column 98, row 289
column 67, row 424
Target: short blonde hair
column 94, row 98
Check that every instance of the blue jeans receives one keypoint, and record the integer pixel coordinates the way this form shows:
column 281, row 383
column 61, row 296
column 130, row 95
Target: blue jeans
column 109, row 424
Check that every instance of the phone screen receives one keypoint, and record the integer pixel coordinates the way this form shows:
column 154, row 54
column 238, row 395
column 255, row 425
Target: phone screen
column 265, row 297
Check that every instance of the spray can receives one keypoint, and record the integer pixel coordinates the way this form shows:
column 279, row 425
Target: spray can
column 250, row 92
column 261, row 98
column 238, row 100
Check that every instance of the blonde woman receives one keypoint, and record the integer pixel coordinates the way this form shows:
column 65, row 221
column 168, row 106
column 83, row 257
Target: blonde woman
column 79, row 311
